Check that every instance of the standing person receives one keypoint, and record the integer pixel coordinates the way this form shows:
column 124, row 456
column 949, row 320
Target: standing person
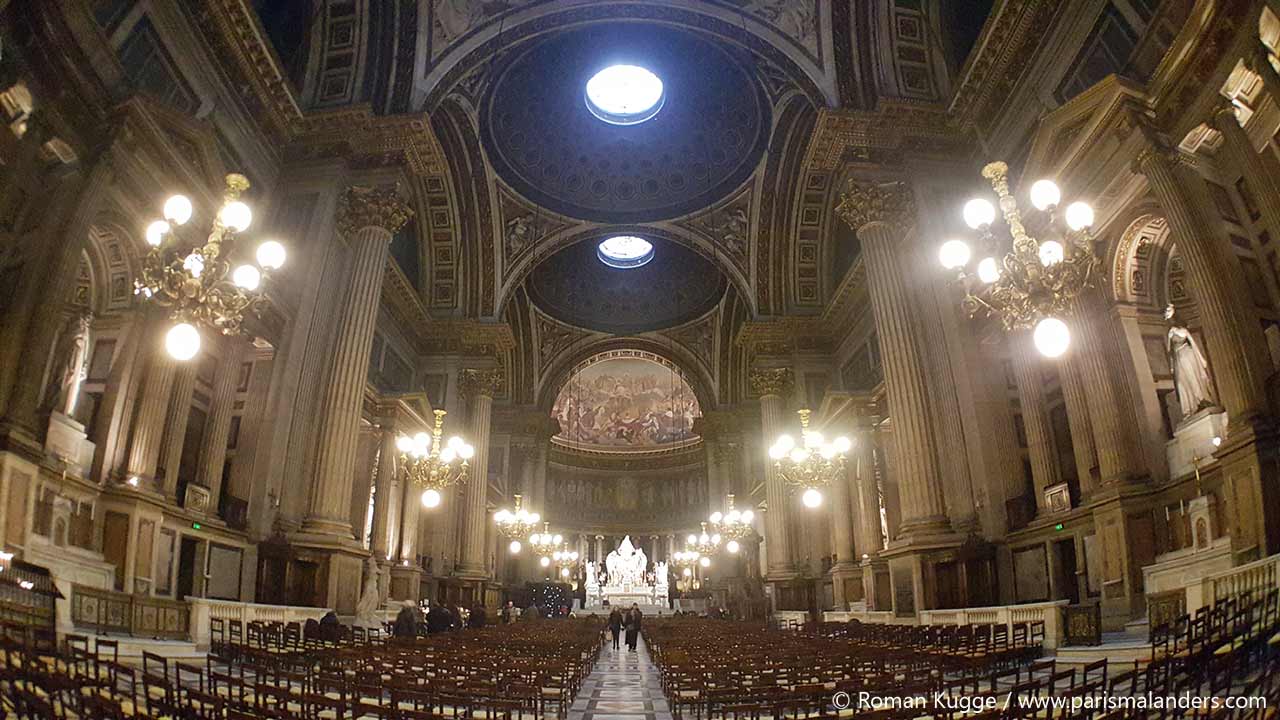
column 478, row 616
column 507, row 611
column 615, row 626
column 633, row 627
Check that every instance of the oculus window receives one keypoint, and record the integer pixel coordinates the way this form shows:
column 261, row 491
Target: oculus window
column 625, row 94
column 624, row 251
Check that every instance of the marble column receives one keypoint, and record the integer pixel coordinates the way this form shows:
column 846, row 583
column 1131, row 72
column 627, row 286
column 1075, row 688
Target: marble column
column 367, row 218
column 184, row 383
column 879, row 213
column 869, row 540
column 1232, row 333
column 773, row 384
column 1035, row 415
column 842, row 519
column 410, row 511
column 148, row 421
column 213, row 454
column 1081, row 427
column 480, row 386
column 383, row 481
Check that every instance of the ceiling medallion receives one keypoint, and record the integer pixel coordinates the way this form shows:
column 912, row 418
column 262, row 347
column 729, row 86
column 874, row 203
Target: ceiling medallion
column 625, row 94
column 624, row 251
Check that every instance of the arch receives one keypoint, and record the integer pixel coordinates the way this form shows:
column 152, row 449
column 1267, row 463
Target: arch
column 1137, row 259
column 677, row 356
column 473, row 41
column 113, row 257
column 554, row 242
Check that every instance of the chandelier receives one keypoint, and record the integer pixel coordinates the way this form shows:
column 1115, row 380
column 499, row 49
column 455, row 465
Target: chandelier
column 564, row 559
column 195, row 280
column 1031, row 285
column 732, row 524
column 810, row 464
column 515, row 524
column 432, row 464
column 705, row 543
column 544, row 542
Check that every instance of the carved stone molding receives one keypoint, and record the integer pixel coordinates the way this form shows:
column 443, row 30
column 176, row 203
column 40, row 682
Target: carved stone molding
column 490, row 382
column 863, row 203
column 360, row 207
column 771, row 381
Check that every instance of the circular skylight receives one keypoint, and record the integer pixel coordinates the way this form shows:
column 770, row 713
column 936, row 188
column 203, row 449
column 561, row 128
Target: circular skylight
column 624, row 251
column 625, row 94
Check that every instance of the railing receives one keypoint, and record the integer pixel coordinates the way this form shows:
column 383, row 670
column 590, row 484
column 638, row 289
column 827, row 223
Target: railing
column 106, row 611
column 873, row 617
column 1008, row 615
column 203, row 610
column 1256, row 576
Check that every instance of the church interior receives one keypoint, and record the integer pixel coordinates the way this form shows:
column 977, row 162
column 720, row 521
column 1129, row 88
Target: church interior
column 395, row 358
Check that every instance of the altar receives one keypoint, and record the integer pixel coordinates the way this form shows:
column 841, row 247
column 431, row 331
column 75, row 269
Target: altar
column 626, row 580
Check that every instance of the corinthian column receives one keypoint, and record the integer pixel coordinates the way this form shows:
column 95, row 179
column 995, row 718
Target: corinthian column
column 480, row 386
column 1082, row 447
column 214, row 454
column 1231, row 329
column 367, row 218
column 184, row 383
column 879, row 214
column 1035, row 416
column 383, row 482
column 148, row 422
column 772, row 384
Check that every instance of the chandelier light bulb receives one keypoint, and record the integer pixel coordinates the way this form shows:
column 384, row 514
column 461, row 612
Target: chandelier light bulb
column 979, row 213
column 734, row 516
column 813, row 439
column 422, row 440
column 716, row 517
column 514, row 547
column 430, row 498
column 1051, row 337
column 786, row 442
column 692, row 539
column 177, row 209
column 732, row 546
column 544, row 561
column 811, row 498
column 247, row 277
column 1079, row 215
column 1051, row 253
column 843, row 444
column 271, row 255
column 194, row 264
column 777, row 452
column 748, row 516
column 502, row 516
column 466, row 452
column 564, row 572
column 182, row 341
column 1045, row 194
column 988, row 270
column 687, row 572
column 558, row 540
column 705, row 562
column 448, row 455
column 404, row 444
column 954, row 254
column 799, row 455
column 236, row 215
column 156, row 232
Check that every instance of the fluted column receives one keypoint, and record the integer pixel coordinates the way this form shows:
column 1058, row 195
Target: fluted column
column 367, row 218
column 480, row 386
column 213, row 455
column 383, row 481
column 1077, row 402
column 878, row 213
column 1231, row 329
column 148, row 421
column 184, row 383
column 410, row 511
column 1035, row 415
column 772, row 384
column 870, row 539
column 842, row 519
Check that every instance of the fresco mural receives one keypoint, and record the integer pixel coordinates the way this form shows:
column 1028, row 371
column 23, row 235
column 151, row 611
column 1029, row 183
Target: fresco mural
column 625, row 400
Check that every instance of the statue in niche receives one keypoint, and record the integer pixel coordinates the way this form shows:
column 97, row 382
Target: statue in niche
column 71, row 356
column 1190, row 369
column 367, row 605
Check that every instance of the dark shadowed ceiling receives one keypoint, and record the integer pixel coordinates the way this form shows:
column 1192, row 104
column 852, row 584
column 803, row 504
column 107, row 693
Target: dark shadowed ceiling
column 543, row 141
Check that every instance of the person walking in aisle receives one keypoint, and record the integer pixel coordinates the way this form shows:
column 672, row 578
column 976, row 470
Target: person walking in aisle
column 633, row 627
column 615, row 626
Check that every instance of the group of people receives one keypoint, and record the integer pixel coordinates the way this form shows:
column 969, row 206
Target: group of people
column 411, row 621
column 628, row 621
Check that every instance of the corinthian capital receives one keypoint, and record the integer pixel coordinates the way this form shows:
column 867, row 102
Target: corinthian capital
column 771, row 381
column 864, row 203
column 473, row 383
column 360, row 207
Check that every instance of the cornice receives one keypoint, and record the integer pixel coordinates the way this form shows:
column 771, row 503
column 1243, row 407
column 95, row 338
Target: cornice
column 236, row 26
column 851, row 136
column 441, row 336
column 372, row 139
column 1002, row 54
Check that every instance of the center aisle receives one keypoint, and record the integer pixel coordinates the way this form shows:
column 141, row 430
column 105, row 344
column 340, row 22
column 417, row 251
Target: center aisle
column 624, row 685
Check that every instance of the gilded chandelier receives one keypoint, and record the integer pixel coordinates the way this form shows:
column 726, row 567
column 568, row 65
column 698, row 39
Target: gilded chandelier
column 564, row 559
column 733, row 525
column 432, row 464
column 515, row 524
column 1032, row 284
column 813, row 463
column 544, row 542
column 196, row 280
column 705, row 543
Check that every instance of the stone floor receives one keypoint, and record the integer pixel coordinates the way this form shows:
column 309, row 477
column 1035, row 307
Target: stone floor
column 623, row 686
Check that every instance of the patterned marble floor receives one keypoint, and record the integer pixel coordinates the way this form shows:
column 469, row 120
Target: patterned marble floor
column 623, row 686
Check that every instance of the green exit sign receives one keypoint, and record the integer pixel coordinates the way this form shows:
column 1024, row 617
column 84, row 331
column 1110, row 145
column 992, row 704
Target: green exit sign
column 196, row 526
column 1059, row 527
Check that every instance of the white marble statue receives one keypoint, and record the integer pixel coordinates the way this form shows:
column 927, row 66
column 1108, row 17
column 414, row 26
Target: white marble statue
column 627, row 564
column 592, row 580
column 1190, row 369
column 370, row 599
